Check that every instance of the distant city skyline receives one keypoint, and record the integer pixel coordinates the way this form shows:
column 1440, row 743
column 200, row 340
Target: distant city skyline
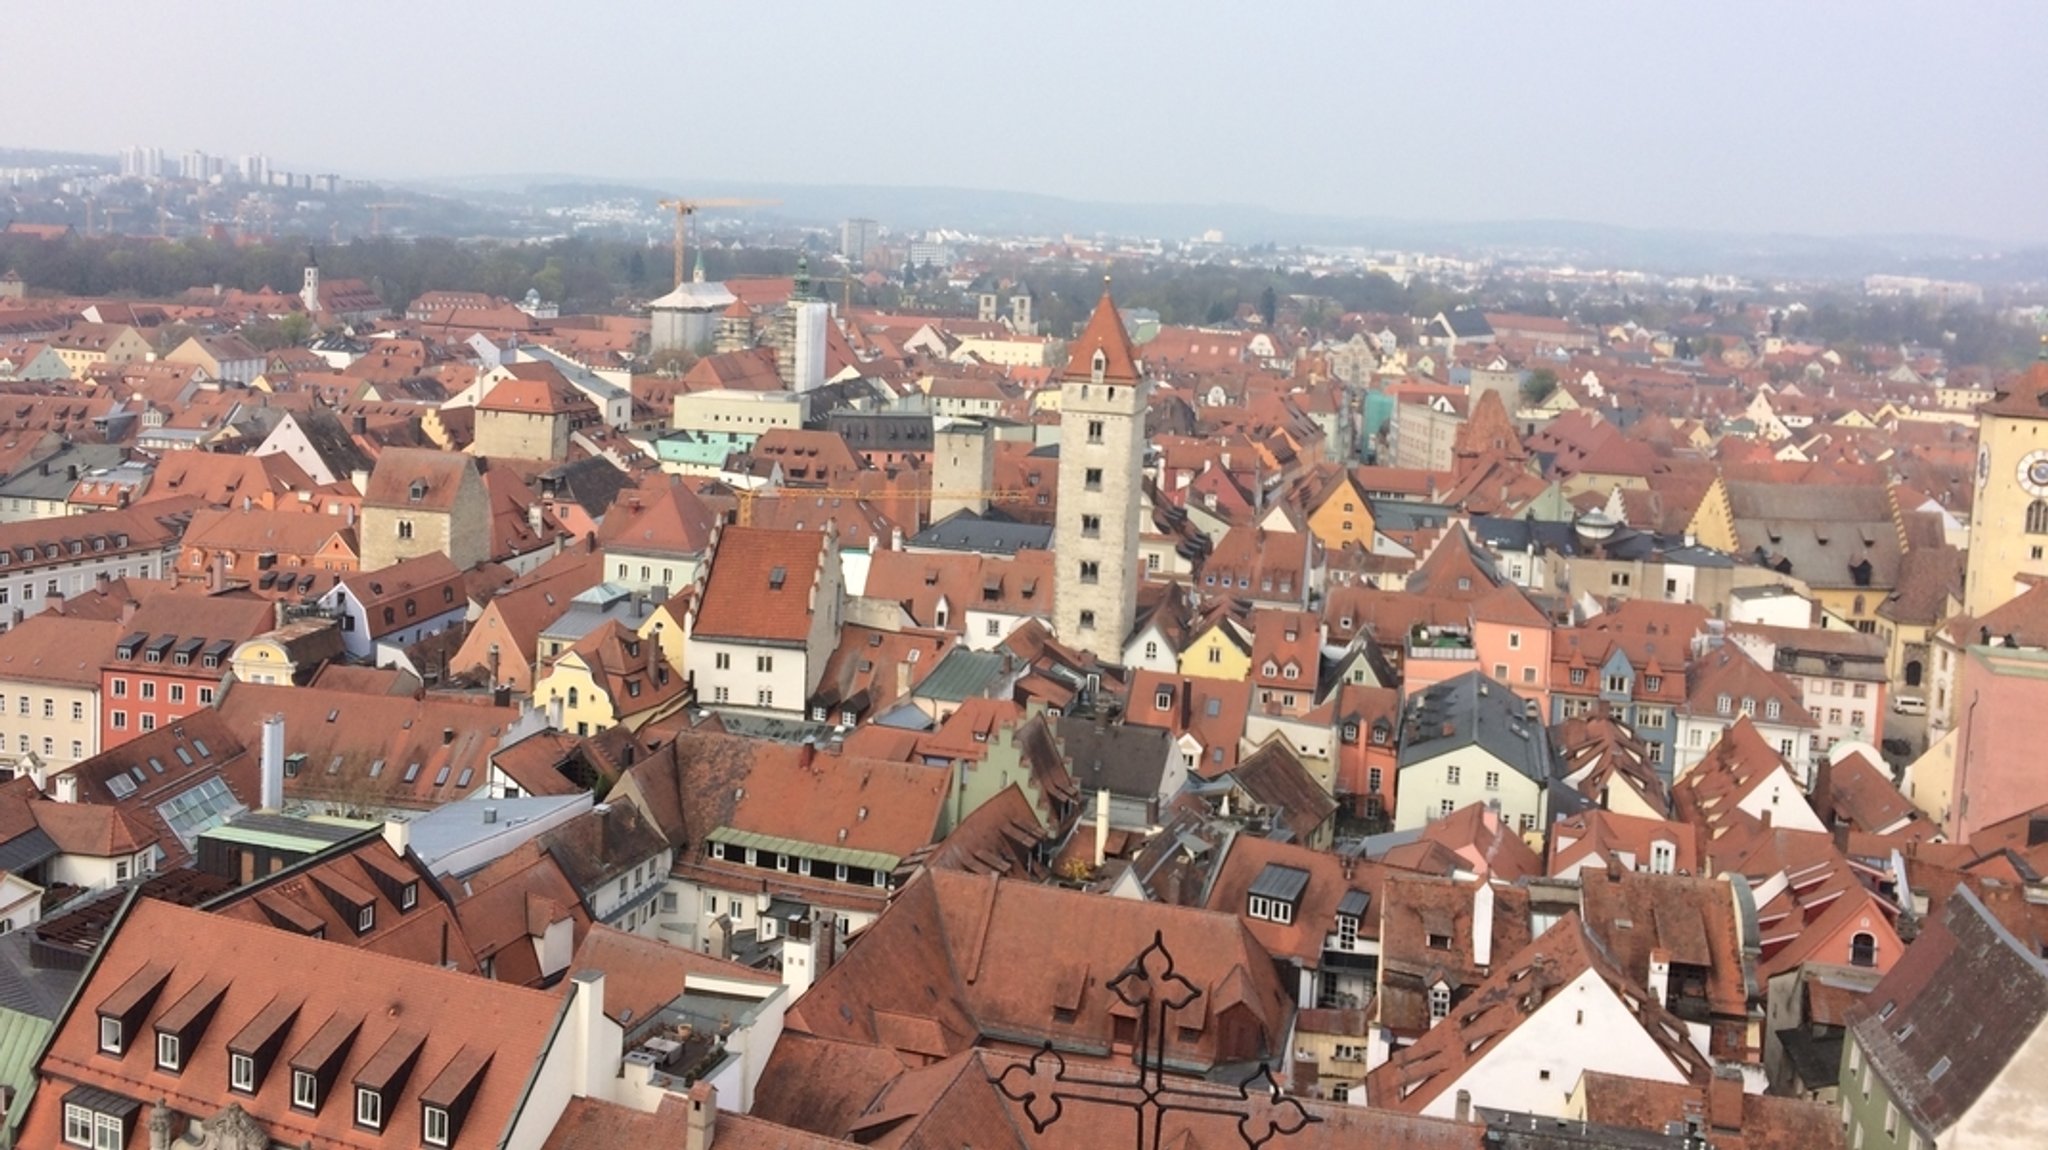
column 1740, row 117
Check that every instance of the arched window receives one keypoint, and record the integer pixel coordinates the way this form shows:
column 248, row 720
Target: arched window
column 1863, row 949
column 572, row 696
column 1098, row 365
column 2037, row 517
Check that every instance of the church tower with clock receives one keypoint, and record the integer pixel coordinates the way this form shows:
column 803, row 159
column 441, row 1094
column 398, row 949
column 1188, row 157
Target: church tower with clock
column 2009, row 519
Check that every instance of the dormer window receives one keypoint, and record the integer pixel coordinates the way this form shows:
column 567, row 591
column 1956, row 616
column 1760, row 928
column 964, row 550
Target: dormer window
column 1276, row 893
column 369, row 1109
column 410, row 897
column 434, row 1126
column 167, row 1052
column 1097, row 365
column 112, row 1037
column 1723, row 705
column 366, row 919
column 241, row 1073
column 305, row 1090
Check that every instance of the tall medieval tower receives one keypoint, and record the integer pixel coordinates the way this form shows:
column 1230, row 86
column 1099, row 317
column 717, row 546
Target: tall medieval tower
column 2009, row 517
column 1102, row 456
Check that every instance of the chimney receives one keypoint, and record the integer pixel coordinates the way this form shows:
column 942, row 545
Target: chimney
column 597, row 1053
column 398, row 836
column 1464, row 1112
column 1482, row 925
column 1724, row 1099
column 1659, row 982
column 702, row 1128
column 128, row 610
column 362, row 423
column 272, row 762
column 447, row 735
column 824, row 941
column 1101, row 825
column 490, row 816
column 67, row 787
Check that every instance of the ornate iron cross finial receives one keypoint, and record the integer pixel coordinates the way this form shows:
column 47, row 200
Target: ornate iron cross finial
column 1155, row 989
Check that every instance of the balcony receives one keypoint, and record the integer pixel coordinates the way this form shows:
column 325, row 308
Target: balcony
column 1440, row 643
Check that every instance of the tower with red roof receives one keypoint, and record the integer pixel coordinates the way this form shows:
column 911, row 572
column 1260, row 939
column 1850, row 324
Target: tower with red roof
column 1102, row 455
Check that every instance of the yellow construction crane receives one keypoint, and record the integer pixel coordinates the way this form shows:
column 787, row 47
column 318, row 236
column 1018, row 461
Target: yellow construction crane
column 684, row 209
column 747, row 496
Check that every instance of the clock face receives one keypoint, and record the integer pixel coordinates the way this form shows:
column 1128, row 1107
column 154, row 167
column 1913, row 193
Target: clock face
column 2034, row 473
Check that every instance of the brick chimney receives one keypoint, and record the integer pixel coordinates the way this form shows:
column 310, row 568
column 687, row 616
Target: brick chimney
column 1724, row 1099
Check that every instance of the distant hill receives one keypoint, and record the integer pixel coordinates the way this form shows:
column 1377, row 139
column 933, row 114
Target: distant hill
column 1667, row 250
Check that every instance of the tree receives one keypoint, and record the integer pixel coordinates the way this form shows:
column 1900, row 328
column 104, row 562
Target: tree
column 636, row 269
column 1269, row 305
column 1538, row 385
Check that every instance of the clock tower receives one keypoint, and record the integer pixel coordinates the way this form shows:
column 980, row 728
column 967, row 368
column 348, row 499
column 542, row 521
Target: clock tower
column 2009, row 518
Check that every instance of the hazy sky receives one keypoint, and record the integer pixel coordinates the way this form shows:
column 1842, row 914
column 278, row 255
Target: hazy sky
column 1770, row 115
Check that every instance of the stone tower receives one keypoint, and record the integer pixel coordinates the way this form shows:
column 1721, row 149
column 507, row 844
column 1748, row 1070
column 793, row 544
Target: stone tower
column 2009, row 517
column 963, row 466
column 309, row 286
column 1102, row 455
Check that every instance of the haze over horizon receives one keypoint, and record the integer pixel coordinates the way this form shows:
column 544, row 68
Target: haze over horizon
column 1735, row 117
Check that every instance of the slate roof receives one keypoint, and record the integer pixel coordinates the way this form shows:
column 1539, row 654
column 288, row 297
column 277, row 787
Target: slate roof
column 1469, row 710
column 1947, row 1020
column 986, row 534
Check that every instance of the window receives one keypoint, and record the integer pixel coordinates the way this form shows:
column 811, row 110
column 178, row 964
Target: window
column 1663, row 858
column 2037, row 517
column 77, row 1125
column 120, row 720
column 764, row 664
column 1493, row 780
column 1269, row 909
column 369, row 1108
column 305, row 1090
column 1773, row 708
column 1653, row 683
column 1445, row 808
column 1514, row 640
column 365, row 919
column 206, row 696
column 405, row 529
column 177, row 692
column 1091, row 571
column 1092, row 479
column 1748, row 706
column 77, row 712
column 1723, row 705
column 1578, row 676
column 1617, row 684
column 1095, row 431
column 1091, row 526
column 241, row 1073
column 1863, row 949
column 1215, row 654
column 110, row 1035
column 1451, row 774
column 722, row 660
column 166, row 1051
column 764, row 697
column 434, row 1126
column 1087, row 620
column 1439, row 1003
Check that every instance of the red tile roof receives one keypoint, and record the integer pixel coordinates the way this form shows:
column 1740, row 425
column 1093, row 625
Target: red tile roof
column 762, row 585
